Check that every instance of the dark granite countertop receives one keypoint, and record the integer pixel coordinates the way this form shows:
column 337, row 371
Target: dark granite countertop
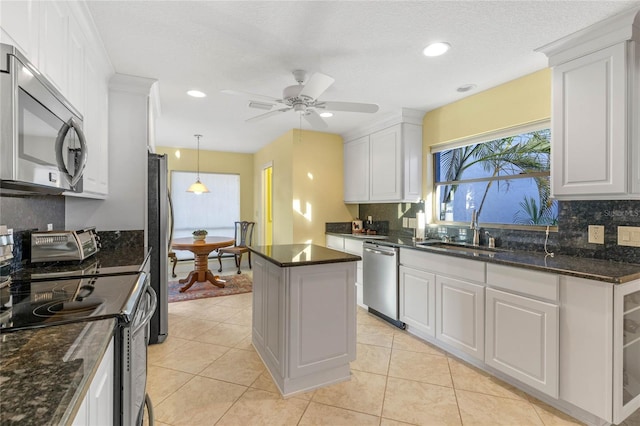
column 46, row 372
column 593, row 269
column 287, row 255
column 115, row 261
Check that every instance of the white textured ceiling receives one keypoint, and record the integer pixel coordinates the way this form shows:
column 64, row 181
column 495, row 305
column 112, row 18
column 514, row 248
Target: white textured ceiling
column 371, row 48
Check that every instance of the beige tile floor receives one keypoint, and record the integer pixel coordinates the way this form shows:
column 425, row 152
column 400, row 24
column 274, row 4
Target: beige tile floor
column 207, row 373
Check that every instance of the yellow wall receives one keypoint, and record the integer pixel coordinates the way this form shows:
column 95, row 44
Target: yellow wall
column 280, row 154
column 318, row 187
column 295, row 155
column 217, row 162
column 517, row 102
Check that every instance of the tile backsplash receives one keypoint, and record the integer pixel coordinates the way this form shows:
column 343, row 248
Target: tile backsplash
column 570, row 239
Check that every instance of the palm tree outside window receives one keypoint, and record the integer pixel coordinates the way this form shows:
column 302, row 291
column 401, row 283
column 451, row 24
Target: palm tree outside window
column 506, row 180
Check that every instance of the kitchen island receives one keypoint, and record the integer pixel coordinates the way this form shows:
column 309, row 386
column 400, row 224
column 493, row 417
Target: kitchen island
column 304, row 314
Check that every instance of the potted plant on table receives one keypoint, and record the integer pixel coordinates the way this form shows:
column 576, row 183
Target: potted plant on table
column 200, row 234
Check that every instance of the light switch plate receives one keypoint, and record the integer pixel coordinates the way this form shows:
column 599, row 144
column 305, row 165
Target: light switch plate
column 405, row 222
column 629, row 236
column 596, row 234
column 413, row 223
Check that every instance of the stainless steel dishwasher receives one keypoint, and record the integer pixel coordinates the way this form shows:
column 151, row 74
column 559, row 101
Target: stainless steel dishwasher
column 380, row 281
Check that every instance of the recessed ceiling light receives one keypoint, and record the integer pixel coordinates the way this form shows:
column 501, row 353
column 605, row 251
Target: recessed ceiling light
column 466, row 88
column 436, row 49
column 326, row 114
column 196, row 93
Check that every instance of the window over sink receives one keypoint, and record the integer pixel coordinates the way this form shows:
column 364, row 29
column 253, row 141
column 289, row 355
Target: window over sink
column 504, row 177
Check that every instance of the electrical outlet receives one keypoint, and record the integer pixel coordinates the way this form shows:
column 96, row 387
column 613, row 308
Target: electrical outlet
column 596, row 234
column 405, row 222
column 413, row 223
column 629, row 236
column 49, row 226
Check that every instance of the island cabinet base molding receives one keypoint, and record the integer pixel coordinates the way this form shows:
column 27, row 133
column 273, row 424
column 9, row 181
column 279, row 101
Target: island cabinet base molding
column 304, row 319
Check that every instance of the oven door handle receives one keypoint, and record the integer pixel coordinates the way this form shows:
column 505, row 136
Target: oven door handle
column 152, row 309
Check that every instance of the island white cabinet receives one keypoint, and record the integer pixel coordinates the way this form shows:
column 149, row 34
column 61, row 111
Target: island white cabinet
column 385, row 165
column 418, row 301
column 594, row 133
column 97, row 407
column 522, row 326
column 304, row 321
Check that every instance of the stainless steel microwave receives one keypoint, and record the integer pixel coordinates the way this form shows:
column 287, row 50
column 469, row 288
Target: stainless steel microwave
column 42, row 146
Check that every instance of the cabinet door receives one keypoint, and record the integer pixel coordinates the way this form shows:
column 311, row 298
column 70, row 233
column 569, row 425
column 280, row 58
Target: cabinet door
column 356, row 170
column 258, row 292
column 19, row 22
column 522, row 339
column 322, row 318
column 589, row 128
column 418, row 301
column 101, row 391
column 386, row 164
column 274, row 307
column 76, row 66
column 96, row 128
column 460, row 315
column 412, row 162
column 53, row 48
column 626, row 344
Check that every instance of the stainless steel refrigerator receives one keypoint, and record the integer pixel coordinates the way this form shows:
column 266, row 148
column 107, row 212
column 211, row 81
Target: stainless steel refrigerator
column 159, row 233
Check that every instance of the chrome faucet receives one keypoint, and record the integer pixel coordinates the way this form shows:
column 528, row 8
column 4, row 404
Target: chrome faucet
column 474, row 227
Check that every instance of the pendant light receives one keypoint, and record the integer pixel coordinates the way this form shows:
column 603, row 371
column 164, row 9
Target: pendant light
column 198, row 187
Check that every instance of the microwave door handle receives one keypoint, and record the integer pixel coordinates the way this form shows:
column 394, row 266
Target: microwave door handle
column 62, row 134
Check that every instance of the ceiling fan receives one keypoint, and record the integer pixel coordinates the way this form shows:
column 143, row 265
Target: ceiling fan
column 303, row 98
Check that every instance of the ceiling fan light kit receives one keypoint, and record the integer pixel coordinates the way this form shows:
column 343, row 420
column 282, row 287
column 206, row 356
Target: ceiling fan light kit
column 303, row 99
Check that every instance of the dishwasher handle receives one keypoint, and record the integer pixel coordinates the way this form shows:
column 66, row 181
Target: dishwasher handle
column 382, row 252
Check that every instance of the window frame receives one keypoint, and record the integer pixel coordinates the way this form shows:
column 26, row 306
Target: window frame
column 433, row 184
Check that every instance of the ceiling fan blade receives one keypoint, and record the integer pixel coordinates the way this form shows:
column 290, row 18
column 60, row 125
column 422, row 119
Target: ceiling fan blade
column 251, row 95
column 315, row 120
column 266, row 115
column 316, row 85
column 348, row 106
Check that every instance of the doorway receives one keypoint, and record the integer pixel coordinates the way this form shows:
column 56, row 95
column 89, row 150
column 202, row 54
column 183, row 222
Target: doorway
column 267, row 204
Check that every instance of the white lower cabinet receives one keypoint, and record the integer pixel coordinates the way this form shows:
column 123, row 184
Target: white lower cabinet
column 460, row 315
column 351, row 246
column 418, row 301
column 97, row 407
column 521, row 339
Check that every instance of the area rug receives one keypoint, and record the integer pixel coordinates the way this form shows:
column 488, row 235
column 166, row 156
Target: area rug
column 235, row 284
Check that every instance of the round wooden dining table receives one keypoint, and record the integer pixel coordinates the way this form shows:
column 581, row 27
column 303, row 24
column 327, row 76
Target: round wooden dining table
column 201, row 250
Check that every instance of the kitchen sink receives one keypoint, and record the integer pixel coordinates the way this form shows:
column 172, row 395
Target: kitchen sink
column 467, row 248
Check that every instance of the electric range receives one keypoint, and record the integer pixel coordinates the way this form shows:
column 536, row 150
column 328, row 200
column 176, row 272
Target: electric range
column 43, row 303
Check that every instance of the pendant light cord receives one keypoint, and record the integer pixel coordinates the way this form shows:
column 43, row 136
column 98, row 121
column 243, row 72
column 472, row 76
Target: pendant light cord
column 198, row 156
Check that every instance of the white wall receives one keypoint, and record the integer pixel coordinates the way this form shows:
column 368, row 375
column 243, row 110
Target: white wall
column 124, row 209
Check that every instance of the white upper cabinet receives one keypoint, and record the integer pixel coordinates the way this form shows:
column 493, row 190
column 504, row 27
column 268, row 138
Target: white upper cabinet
column 594, row 122
column 385, row 164
column 53, row 51
column 60, row 39
column 356, row 170
column 20, row 22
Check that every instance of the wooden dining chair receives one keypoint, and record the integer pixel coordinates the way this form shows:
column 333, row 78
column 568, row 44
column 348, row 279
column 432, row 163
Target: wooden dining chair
column 243, row 236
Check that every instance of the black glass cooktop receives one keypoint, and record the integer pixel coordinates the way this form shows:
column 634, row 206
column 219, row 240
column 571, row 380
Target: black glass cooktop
column 32, row 304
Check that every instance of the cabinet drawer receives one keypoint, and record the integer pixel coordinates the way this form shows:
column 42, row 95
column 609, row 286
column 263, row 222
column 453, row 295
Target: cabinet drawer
column 353, row 246
column 532, row 283
column 444, row 265
column 334, row 242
